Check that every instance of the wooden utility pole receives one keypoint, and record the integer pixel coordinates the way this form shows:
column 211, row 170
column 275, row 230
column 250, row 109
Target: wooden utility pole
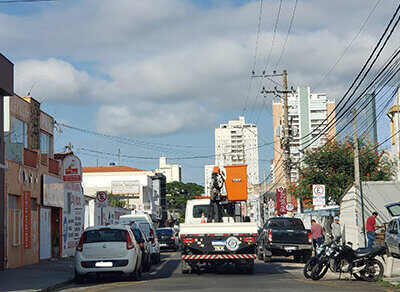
column 357, row 179
column 286, row 140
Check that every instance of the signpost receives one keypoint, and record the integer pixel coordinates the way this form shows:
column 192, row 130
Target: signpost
column 271, row 207
column 101, row 202
column 289, row 207
column 319, row 195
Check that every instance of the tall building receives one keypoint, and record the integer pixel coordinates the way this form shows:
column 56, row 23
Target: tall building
column 236, row 143
column 306, row 112
column 172, row 172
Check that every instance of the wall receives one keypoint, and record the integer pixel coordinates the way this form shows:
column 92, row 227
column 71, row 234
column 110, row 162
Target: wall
column 110, row 214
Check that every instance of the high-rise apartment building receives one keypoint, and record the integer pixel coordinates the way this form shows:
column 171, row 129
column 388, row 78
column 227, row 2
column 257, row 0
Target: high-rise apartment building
column 172, row 172
column 236, row 143
column 306, row 113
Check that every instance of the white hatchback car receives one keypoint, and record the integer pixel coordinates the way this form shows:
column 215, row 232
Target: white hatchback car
column 105, row 249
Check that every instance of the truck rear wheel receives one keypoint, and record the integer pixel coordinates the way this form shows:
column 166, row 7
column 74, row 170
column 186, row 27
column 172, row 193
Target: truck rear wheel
column 266, row 256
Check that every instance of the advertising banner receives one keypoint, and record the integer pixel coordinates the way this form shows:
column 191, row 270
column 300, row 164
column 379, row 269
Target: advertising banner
column 281, row 200
column 72, row 169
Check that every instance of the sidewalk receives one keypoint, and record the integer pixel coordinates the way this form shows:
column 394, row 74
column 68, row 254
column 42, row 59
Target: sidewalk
column 45, row 276
column 395, row 277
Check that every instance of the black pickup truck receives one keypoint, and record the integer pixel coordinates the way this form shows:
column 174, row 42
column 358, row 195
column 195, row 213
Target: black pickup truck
column 283, row 236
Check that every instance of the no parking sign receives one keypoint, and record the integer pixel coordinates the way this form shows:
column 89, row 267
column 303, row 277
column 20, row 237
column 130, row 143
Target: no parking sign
column 319, row 195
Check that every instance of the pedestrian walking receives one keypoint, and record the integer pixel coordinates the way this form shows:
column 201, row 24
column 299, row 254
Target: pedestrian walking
column 317, row 233
column 336, row 233
column 371, row 227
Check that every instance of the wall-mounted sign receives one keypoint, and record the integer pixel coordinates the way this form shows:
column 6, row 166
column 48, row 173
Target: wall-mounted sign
column 281, row 200
column 27, row 219
column 72, row 169
column 53, row 191
column 125, row 187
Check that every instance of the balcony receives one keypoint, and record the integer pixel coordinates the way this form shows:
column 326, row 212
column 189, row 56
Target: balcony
column 30, row 158
column 54, row 166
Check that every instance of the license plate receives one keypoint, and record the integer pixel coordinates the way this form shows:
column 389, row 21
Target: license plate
column 290, row 247
column 163, row 244
column 104, row 264
column 218, row 242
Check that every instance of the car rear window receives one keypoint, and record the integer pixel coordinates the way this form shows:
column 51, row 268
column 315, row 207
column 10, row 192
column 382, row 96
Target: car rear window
column 285, row 224
column 145, row 227
column 199, row 209
column 161, row 232
column 105, row 235
column 137, row 233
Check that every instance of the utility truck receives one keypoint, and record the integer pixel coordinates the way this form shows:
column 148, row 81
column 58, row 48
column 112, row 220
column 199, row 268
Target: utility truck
column 224, row 237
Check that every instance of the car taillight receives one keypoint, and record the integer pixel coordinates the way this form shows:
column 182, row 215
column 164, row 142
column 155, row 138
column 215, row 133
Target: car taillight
column 269, row 236
column 153, row 240
column 248, row 239
column 79, row 247
column 309, row 237
column 129, row 243
column 188, row 240
column 172, row 237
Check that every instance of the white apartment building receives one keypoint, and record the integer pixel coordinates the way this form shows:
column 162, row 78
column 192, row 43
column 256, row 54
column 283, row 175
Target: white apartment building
column 237, row 143
column 172, row 172
column 306, row 112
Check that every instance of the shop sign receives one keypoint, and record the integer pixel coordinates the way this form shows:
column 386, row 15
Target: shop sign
column 27, row 219
column 72, row 169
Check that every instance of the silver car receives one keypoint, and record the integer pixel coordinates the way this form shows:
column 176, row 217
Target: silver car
column 392, row 237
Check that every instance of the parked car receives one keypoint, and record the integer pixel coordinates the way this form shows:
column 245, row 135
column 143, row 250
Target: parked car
column 392, row 236
column 167, row 238
column 144, row 223
column 105, row 249
column 282, row 236
column 144, row 245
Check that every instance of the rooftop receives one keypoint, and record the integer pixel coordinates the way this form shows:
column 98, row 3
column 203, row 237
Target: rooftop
column 110, row 168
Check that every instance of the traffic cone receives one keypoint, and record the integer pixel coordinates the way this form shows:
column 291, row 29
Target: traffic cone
column 203, row 218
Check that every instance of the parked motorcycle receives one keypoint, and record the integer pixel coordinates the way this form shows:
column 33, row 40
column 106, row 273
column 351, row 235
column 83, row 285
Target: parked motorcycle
column 320, row 252
column 343, row 259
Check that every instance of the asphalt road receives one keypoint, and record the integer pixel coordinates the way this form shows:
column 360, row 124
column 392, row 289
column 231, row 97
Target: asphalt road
column 280, row 275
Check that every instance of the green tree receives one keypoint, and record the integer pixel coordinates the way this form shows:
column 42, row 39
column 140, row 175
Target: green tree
column 178, row 193
column 115, row 202
column 333, row 166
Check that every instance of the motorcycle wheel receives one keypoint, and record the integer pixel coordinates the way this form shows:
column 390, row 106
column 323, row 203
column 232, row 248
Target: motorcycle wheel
column 373, row 271
column 309, row 266
column 319, row 271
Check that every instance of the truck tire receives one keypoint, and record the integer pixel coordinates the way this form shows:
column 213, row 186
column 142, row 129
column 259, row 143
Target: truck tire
column 249, row 268
column 266, row 258
column 186, row 269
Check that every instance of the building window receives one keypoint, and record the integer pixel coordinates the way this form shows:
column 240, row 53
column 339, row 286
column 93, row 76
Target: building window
column 19, row 132
column 45, row 143
column 33, row 204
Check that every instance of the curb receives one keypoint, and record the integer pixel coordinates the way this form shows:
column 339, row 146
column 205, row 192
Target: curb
column 57, row 286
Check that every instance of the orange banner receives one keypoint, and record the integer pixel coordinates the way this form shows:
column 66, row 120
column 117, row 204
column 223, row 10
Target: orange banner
column 27, row 218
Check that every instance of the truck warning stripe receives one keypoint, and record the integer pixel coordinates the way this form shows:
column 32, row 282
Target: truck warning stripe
column 218, row 256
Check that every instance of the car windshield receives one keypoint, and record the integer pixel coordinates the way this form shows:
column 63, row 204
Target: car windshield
column 105, row 235
column 394, row 209
column 285, row 224
column 137, row 233
column 161, row 232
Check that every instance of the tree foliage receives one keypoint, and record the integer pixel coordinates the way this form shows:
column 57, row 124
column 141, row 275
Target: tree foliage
column 333, row 166
column 178, row 193
column 115, row 202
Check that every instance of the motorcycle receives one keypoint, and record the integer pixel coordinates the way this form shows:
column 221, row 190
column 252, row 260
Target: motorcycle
column 320, row 252
column 360, row 263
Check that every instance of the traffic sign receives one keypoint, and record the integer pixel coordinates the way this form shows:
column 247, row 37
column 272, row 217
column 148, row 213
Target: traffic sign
column 101, row 199
column 319, row 195
column 289, row 207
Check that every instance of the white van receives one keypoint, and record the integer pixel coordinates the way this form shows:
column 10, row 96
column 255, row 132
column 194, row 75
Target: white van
column 145, row 224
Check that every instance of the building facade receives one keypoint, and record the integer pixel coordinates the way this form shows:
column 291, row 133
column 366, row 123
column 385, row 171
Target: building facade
column 173, row 172
column 306, row 113
column 237, row 143
column 34, row 193
column 394, row 115
column 6, row 88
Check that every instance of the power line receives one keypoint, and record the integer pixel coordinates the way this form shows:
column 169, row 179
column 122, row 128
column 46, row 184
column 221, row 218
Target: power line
column 25, row 1
column 348, row 47
column 287, row 35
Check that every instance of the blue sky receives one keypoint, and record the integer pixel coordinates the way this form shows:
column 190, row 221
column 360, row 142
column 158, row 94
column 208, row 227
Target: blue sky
column 171, row 71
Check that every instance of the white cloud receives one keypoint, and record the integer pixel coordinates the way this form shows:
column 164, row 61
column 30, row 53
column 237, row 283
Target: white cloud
column 147, row 119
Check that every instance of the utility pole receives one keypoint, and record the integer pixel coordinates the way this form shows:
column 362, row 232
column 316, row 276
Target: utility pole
column 119, row 156
column 357, row 172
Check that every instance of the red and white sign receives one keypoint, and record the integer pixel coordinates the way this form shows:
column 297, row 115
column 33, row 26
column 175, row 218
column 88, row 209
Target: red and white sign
column 101, row 199
column 72, row 169
column 289, row 207
column 27, row 219
column 319, row 195
column 281, row 200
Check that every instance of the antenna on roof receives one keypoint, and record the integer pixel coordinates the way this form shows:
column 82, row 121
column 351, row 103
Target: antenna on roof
column 30, row 90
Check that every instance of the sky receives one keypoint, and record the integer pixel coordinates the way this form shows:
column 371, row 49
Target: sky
column 161, row 75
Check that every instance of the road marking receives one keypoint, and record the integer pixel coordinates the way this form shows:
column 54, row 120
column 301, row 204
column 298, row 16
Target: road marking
column 160, row 267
